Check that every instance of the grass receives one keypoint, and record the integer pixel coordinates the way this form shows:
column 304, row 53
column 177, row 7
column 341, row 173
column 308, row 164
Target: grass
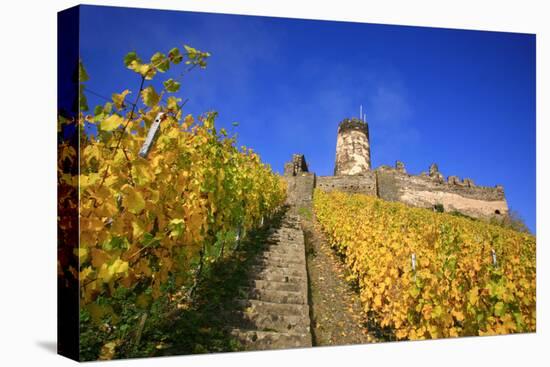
column 305, row 212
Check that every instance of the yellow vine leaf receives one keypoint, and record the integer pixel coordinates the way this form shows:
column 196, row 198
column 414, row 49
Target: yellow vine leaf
column 118, row 98
column 142, row 172
column 137, row 229
column 111, row 123
column 150, row 97
column 133, row 200
column 81, row 253
column 455, row 290
column 459, row 315
column 108, row 350
column 473, row 295
column 144, row 221
column 86, row 272
column 107, row 272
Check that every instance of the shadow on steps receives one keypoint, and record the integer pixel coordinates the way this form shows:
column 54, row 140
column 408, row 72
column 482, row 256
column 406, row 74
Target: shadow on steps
column 205, row 327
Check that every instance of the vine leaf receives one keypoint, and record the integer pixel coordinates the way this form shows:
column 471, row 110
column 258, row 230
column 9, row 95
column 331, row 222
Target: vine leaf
column 134, row 200
column 175, row 56
column 150, row 97
column 160, row 62
column 171, row 85
column 130, row 58
column 111, row 123
column 82, row 74
column 118, row 98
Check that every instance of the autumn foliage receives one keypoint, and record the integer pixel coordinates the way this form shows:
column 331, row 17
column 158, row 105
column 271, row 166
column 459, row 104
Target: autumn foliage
column 432, row 275
column 149, row 225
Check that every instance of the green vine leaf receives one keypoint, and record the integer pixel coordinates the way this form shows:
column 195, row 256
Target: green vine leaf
column 160, row 62
column 171, row 85
column 130, row 58
column 175, row 56
column 82, row 74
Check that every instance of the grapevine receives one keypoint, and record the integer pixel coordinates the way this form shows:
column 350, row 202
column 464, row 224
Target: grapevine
column 149, row 224
column 432, row 275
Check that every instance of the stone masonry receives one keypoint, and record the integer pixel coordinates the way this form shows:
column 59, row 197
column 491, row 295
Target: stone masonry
column 364, row 184
column 300, row 182
column 297, row 166
column 352, row 148
column 353, row 174
column 426, row 191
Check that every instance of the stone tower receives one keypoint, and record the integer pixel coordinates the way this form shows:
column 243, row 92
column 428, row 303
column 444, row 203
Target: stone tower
column 352, row 148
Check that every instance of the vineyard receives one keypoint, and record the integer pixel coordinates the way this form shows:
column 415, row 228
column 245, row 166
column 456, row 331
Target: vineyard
column 423, row 274
column 171, row 214
column 152, row 225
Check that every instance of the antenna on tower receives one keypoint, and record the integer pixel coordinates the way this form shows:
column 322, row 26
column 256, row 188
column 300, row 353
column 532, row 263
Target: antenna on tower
column 365, row 117
column 360, row 112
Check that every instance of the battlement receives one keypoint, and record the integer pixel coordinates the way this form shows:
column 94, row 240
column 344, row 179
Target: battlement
column 353, row 124
column 353, row 173
column 434, row 177
column 452, row 182
column 296, row 166
column 429, row 190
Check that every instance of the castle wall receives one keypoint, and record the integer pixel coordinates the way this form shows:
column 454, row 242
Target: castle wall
column 365, row 184
column 426, row 192
column 353, row 174
column 300, row 189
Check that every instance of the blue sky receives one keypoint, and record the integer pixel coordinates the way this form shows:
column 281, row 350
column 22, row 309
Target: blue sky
column 462, row 99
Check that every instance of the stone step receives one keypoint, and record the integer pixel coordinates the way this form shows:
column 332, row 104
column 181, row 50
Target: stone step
column 291, row 223
column 291, row 309
column 283, row 258
column 272, row 308
column 282, row 251
column 290, row 243
column 297, row 256
column 280, row 261
column 278, row 286
column 286, row 233
column 263, row 340
column 275, row 296
column 263, row 322
column 294, row 243
column 278, row 268
column 278, row 276
column 278, row 264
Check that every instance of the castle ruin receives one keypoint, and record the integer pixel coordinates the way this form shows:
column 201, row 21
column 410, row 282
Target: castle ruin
column 353, row 174
column 352, row 148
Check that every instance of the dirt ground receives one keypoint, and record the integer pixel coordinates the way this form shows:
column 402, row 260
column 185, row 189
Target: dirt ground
column 336, row 314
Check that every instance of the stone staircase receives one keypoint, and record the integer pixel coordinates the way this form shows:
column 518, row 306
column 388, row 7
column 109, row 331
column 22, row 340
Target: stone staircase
column 272, row 309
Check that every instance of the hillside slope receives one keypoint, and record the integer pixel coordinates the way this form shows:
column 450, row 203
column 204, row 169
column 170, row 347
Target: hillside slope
column 424, row 274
